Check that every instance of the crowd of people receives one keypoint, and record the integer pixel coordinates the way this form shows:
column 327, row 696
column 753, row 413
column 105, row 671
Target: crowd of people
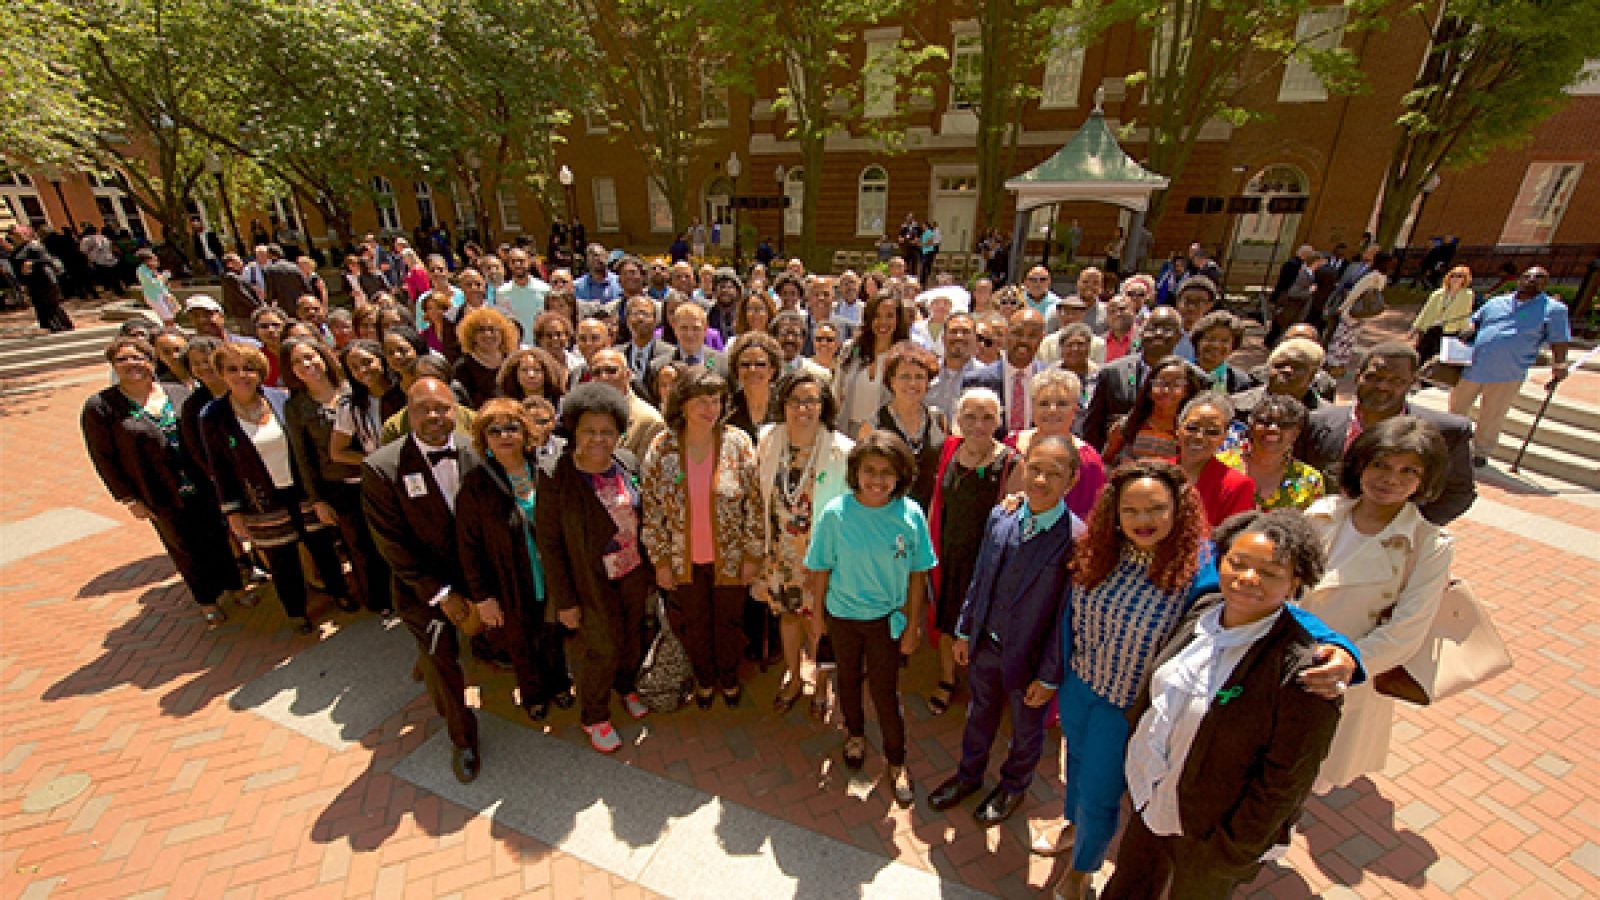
column 1082, row 505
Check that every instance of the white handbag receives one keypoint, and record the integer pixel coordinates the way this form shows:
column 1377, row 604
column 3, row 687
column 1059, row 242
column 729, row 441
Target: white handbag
column 1462, row 650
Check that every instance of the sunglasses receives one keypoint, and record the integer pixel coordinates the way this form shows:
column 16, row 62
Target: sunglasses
column 821, row 339
column 986, row 341
column 606, row 371
column 1192, row 428
column 508, row 430
column 753, row 364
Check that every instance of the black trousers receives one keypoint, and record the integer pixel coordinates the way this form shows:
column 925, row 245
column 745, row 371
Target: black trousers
column 369, row 568
column 288, row 576
column 439, row 658
column 709, row 619
column 864, row 647
column 537, row 654
column 607, row 649
column 1148, row 863
column 196, row 538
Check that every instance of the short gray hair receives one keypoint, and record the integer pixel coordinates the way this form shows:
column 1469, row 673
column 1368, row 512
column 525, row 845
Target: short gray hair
column 1303, row 349
column 1058, row 378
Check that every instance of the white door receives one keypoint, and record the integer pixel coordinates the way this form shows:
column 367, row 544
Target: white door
column 719, row 214
column 955, row 208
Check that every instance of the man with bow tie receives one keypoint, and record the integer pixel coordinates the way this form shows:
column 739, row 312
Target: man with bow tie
column 408, row 489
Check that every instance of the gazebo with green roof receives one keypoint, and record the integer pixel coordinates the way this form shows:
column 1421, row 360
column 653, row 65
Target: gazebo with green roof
column 1092, row 167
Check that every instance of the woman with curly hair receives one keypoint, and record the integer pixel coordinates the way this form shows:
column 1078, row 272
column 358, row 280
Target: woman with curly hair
column 908, row 370
column 532, row 372
column 487, row 338
column 754, row 363
column 1135, row 574
column 1150, row 430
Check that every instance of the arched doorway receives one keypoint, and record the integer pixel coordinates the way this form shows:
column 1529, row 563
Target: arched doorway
column 1268, row 235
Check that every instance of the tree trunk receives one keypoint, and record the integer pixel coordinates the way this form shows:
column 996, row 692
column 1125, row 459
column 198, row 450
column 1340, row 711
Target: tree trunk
column 811, row 153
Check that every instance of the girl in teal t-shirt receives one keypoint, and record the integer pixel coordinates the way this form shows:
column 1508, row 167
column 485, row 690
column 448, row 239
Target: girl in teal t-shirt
column 870, row 554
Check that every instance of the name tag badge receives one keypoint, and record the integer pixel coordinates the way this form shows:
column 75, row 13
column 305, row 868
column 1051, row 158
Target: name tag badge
column 416, row 485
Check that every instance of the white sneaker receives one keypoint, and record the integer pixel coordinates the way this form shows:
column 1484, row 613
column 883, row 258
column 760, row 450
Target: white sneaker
column 635, row 706
column 603, row 737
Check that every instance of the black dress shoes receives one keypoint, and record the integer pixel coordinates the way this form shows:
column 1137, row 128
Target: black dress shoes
column 538, row 712
column 564, row 700
column 997, row 807
column 950, row 793
column 466, row 763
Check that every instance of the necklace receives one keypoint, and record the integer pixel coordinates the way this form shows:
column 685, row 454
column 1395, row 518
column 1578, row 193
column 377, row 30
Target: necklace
column 922, row 433
column 794, row 489
column 252, row 412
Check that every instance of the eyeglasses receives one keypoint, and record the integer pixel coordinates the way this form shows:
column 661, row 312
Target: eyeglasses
column 1038, row 278
column 606, row 371
column 1193, row 428
column 820, row 339
column 804, row 402
column 1009, row 301
column 753, row 364
column 1155, row 328
column 1056, row 404
column 510, row 429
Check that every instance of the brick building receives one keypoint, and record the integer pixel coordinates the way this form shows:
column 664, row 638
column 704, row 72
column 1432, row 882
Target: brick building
column 1330, row 150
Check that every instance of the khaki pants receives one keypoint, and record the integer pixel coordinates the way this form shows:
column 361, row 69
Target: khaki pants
column 1496, row 398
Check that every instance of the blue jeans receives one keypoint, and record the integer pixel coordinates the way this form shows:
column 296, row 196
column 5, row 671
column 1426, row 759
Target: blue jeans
column 1096, row 734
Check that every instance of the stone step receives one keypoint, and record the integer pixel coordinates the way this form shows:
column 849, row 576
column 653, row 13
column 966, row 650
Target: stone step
column 28, row 349
column 1563, row 408
column 1562, row 448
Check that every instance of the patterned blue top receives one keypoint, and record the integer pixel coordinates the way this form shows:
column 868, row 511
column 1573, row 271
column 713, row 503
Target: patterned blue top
column 1119, row 626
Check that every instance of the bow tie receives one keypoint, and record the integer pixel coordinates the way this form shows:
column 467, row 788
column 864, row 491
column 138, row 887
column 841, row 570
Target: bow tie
column 436, row 456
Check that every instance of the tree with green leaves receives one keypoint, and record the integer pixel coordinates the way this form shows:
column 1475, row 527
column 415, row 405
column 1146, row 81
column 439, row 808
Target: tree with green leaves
column 1015, row 36
column 1206, row 55
column 138, row 61
column 808, row 41
column 46, row 116
column 652, row 68
column 1494, row 70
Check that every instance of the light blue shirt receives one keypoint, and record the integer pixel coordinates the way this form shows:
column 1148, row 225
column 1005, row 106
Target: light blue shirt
column 1040, row 522
column 523, row 302
column 870, row 553
column 586, row 288
column 1044, row 304
column 1510, row 333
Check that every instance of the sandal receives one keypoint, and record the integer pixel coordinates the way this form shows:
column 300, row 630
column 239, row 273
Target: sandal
column 215, row 616
column 785, row 700
column 940, row 702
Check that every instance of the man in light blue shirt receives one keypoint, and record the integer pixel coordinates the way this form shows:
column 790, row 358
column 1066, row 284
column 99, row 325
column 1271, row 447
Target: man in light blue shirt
column 1506, row 334
column 598, row 284
column 1038, row 295
column 523, row 296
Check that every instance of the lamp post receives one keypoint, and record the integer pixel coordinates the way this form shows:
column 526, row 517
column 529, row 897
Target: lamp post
column 214, row 168
column 567, row 181
column 734, row 168
column 783, row 211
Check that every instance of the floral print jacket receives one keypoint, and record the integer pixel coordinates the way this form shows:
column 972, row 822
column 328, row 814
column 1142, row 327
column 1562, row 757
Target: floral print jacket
column 736, row 514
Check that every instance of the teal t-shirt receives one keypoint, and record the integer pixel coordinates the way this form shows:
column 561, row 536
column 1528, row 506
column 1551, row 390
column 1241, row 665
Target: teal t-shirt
column 871, row 554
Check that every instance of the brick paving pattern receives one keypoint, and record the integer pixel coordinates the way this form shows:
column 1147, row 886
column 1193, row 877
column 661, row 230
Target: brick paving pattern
column 106, row 670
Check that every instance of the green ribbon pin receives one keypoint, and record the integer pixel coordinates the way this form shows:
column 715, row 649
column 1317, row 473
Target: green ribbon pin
column 1223, row 696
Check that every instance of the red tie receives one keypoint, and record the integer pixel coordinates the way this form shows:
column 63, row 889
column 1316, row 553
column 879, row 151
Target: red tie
column 1019, row 403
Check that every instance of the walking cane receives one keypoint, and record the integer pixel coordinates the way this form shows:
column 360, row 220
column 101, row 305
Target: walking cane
column 1549, row 392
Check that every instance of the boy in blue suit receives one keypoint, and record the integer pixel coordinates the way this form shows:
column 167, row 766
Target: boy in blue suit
column 1008, row 633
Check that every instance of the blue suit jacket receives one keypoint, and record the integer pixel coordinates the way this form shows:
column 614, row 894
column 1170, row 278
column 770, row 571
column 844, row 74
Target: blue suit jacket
column 1030, row 639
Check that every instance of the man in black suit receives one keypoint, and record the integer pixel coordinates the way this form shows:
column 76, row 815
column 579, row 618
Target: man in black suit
column 1382, row 385
column 1011, row 376
column 408, row 490
column 1116, row 385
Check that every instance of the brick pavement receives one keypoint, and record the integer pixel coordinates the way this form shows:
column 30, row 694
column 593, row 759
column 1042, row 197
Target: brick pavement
column 105, row 670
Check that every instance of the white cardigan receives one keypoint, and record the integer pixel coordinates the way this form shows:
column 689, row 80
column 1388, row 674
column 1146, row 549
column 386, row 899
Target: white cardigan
column 771, row 452
column 1352, row 598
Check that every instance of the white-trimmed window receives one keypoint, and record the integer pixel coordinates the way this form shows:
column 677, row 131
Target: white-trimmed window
column 794, row 187
column 605, row 204
column 966, row 67
column 1546, row 190
column 878, row 84
column 1319, row 28
column 115, row 206
column 872, row 202
column 1063, row 70
column 595, row 121
column 425, row 203
column 383, row 202
column 660, row 208
column 510, row 212
column 22, row 199
column 461, row 200
column 283, row 205
column 1040, row 218
column 713, row 96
